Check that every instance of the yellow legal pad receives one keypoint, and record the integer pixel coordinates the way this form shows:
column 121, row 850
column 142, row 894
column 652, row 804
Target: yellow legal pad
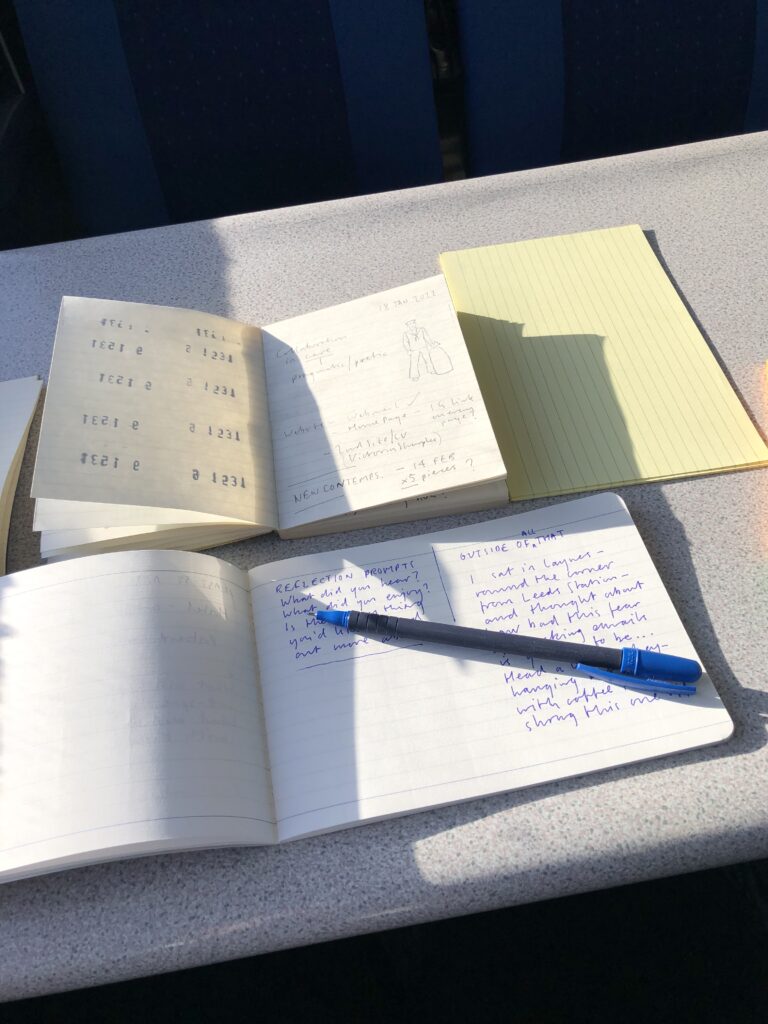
column 592, row 370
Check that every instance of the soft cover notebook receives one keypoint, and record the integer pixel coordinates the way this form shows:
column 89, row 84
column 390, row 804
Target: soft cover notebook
column 165, row 427
column 179, row 702
column 593, row 371
column 18, row 401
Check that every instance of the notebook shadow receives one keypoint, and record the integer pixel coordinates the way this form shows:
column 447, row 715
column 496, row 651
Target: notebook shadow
column 23, row 542
column 554, row 407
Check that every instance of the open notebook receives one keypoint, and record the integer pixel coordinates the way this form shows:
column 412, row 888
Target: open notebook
column 166, row 427
column 18, row 400
column 178, row 702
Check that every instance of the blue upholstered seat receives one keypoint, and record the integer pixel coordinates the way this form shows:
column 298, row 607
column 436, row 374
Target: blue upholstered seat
column 560, row 80
column 185, row 109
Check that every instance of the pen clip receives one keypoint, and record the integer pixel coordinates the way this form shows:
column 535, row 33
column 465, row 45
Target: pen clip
column 633, row 683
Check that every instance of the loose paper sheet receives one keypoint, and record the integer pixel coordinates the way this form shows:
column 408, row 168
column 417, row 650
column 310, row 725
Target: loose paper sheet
column 592, row 369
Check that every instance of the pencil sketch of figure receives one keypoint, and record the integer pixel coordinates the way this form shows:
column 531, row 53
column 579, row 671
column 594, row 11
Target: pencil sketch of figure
column 426, row 355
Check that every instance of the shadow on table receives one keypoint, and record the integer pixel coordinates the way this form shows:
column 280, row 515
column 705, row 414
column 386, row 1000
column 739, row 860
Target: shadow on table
column 653, row 242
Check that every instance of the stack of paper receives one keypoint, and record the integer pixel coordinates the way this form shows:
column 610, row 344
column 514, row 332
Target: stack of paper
column 18, row 399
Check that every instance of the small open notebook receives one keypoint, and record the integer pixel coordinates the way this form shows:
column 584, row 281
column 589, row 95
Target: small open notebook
column 18, row 400
column 166, row 427
column 179, row 703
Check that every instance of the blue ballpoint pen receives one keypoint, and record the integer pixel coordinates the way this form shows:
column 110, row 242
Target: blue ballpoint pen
column 642, row 670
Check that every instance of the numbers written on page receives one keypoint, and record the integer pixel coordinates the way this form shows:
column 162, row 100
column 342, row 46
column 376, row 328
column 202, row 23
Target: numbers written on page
column 221, row 479
column 112, row 422
column 221, row 390
column 209, row 430
column 217, row 355
column 102, row 461
column 124, row 381
column 105, row 345
column 119, row 324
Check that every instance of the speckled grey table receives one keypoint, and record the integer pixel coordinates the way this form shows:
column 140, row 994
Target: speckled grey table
column 706, row 205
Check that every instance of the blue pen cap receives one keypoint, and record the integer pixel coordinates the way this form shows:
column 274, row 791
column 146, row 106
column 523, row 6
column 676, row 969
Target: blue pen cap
column 336, row 618
column 652, row 665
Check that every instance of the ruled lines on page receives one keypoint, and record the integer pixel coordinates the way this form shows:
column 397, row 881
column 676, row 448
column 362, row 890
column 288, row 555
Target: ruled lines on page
column 131, row 711
column 593, row 371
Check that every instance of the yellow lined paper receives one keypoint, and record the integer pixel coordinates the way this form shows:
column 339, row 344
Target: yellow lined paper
column 592, row 370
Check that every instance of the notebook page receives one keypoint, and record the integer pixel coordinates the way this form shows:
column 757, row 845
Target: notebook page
column 156, row 406
column 592, row 369
column 131, row 715
column 18, row 400
column 78, row 527
column 359, row 729
column 440, row 503
column 373, row 401
column 72, row 543
column 53, row 514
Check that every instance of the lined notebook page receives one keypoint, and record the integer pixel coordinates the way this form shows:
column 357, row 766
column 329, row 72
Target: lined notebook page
column 131, row 717
column 156, row 406
column 359, row 729
column 592, row 369
column 372, row 402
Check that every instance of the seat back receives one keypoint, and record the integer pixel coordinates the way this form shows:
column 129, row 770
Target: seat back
column 182, row 110
column 561, row 80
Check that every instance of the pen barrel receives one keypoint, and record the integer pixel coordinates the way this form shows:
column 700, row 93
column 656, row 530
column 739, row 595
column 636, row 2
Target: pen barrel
column 380, row 626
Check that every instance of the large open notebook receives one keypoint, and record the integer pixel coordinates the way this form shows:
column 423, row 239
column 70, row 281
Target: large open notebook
column 178, row 702
column 166, row 427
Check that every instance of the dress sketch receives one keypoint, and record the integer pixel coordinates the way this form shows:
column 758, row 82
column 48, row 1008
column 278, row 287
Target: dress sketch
column 426, row 355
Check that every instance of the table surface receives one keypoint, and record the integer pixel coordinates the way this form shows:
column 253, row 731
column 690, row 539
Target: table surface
column 706, row 206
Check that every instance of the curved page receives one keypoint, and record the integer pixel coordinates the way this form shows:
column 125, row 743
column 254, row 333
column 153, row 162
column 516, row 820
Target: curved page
column 131, row 713
column 156, row 406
